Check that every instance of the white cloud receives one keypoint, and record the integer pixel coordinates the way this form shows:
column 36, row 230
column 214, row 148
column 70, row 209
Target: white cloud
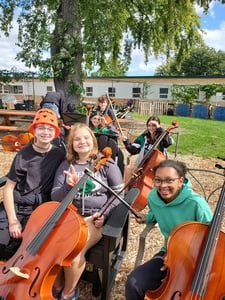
column 211, row 11
column 215, row 38
column 139, row 67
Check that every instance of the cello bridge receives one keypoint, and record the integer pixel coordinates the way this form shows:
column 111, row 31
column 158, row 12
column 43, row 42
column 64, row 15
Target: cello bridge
column 17, row 272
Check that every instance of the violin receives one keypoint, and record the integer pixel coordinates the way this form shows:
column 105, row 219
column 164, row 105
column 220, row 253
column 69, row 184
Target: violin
column 55, row 233
column 195, row 260
column 142, row 176
column 13, row 143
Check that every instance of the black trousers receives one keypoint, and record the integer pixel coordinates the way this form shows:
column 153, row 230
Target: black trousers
column 145, row 277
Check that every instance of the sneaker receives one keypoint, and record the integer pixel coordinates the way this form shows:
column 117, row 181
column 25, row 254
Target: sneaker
column 74, row 297
column 56, row 292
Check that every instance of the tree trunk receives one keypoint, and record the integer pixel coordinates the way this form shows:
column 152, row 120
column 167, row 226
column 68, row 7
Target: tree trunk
column 68, row 25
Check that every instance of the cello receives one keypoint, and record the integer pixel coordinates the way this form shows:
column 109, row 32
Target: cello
column 142, row 174
column 30, row 273
column 11, row 142
column 115, row 118
column 195, row 260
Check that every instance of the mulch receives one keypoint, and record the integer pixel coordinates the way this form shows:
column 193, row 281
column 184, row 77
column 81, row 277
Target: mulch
column 154, row 240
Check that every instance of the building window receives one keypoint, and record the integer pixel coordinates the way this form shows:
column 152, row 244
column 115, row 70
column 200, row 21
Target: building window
column 112, row 91
column 6, row 89
column 89, row 91
column 49, row 88
column 136, row 92
column 163, row 93
column 17, row 89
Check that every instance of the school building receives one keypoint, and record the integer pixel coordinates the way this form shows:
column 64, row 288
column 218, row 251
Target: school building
column 148, row 88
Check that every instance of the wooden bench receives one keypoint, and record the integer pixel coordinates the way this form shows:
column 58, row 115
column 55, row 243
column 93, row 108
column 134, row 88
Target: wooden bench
column 11, row 116
column 21, row 120
column 13, row 128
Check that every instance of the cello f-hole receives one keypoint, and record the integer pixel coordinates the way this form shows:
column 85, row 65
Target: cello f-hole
column 5, row 270
column 175, row 294
column 33, row 283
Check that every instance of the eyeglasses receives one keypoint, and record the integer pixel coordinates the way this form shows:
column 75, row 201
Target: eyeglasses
column 48, row 129
column 168, row 181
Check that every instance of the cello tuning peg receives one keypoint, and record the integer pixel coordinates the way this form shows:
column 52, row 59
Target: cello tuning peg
column 175, row 123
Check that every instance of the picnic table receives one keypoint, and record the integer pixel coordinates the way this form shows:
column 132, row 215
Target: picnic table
column 10, row 117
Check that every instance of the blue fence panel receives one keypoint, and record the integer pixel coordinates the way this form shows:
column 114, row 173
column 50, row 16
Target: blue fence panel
column 183, row 110
column 200, row 111
column 219, row 113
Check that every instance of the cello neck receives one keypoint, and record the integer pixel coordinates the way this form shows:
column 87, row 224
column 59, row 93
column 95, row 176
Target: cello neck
column 199, row 283
column 117, row 122
column 46, row 229
column 149, row 153
column 160, row 138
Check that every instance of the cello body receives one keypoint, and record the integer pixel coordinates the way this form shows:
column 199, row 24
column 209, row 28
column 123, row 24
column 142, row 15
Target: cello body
column 11, row 142
column 184, row 247
column 144, row 182
column 38, row 269
column 143, row 173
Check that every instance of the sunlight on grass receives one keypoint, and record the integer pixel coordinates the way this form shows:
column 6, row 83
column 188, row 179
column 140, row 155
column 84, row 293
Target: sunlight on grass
column 199, row 137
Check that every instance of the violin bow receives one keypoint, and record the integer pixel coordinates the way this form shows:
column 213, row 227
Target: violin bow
column 117, row 122
column 116, row 195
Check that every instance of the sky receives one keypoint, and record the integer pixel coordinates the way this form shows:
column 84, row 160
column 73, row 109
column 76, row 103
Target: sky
column 213, row 25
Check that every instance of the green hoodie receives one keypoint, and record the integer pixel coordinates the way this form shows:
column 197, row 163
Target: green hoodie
column 188, row 206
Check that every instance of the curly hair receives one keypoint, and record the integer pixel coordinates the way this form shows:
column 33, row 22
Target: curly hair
column 73, row 155
column 179, row 166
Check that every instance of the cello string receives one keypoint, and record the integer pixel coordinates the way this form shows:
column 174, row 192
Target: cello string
column 46, row 228
column 215, row 225
column 209, row 247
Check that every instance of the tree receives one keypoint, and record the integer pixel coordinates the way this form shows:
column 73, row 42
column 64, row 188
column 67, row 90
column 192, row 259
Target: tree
column 201, row 61
column 112, row 67
column 190, row 93
column 83, row 33
column 185, row 93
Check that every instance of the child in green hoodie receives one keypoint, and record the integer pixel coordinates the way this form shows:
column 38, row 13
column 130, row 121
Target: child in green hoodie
column 171, row 202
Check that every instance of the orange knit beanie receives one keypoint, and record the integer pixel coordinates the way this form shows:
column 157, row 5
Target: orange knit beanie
column 45, row 116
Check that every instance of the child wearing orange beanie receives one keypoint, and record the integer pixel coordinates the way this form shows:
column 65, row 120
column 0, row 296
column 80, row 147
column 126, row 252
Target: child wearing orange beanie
column 30, row 180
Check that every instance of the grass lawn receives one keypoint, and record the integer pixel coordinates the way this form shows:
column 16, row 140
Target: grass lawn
column 199, row 137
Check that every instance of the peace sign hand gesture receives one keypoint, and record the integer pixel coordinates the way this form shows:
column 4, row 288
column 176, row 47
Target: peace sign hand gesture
column 72, row 177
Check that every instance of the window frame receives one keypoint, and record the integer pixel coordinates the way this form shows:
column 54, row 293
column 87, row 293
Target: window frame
column 162, row 94
column 89, row 91
column 136, row 94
